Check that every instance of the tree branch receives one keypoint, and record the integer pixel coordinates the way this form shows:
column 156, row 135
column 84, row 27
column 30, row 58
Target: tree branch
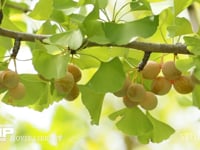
column 22, row 36
column 146, row 47
column 152, row 47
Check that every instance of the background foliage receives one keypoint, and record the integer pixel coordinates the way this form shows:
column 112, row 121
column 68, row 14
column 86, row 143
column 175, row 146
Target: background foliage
column 70, row 27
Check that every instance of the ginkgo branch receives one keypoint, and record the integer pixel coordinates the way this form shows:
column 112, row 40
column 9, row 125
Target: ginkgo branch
column 146, row 47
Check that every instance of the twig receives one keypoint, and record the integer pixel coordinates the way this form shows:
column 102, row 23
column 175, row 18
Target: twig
column 22, row 36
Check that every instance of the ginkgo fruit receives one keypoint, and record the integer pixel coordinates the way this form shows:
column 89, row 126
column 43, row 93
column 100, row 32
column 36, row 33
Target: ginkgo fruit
column 136, row 92
column 183, row 85
column 17, row 92
column 9, row 79
column 123, row 90
column 151, row 70
column 128, row 103
column 75, row 71
column 64, row 84
column 150, row 101
column 73, row 94
column 160, row 85
column 170, row 71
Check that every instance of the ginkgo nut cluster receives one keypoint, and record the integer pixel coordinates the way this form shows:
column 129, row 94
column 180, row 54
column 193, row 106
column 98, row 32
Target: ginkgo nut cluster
column 10, row 81
column 67, row 85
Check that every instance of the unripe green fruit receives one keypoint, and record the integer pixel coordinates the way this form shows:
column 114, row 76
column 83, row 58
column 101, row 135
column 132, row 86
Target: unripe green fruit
column 150, row 101
column 151, row 70
column 136, row 92
column 9, row 79
column 123, row 90
column 160, row 86
column 73, row 94
column 64, row 84
column 75, row 71
column 170, row 71
column 17, row 92
column 183, row 85
column 128, row 103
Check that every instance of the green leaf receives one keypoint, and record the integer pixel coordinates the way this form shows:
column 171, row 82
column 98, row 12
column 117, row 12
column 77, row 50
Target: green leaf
column 181, row 26
column 71, row 39
column 45, row 100
column 4, row 65
column 49, row 66
column 108, row 78
column 93, row 28
column 160, row 132
column 93, row 102
column 64, row 4
column 180, row 6
column 105, row 53
column 140, row 5
column 196, row 96
column 9, row 24
column 42, row 10
column 47, row 28
column 86, row 62
column 184, row 64
column 35, row 89
column 132, row 121
column 123, row 33
column 102, row 3
column 6, row 43
column 193, row 44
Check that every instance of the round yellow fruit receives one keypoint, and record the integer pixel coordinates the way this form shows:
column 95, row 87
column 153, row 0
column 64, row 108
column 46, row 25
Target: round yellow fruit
column 136, row 92
column 64, row 84
column 160, row 85
column 150, row 101
column 128, row 103
column 184, row 85
column 73, row 94
column 75, row 71
column 17, row 92
column 9, row 79
column 123, row 90
column 151, row 70
column 170, row 71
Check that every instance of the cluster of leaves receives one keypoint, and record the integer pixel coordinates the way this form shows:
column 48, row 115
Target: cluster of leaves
column 71, row 26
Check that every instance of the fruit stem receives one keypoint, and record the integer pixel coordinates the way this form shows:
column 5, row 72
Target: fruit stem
column 144, row 61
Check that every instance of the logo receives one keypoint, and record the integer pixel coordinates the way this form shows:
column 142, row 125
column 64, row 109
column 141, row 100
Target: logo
column 5, row 132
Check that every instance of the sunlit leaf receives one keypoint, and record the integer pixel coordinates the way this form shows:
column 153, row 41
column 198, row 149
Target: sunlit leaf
column 140, row 5
column 160, row 132
column 47, row 28
column 108, row 78
column 184, row 64
column 8, row 24
column 179, row 7
column 181, row 26
column 42, row 10
column 64, row 4
column 132, row 121
column 102, row 3
column 123, row 33
column 49, row 66
column 71, row 39
column 93, row 102
column 193, row 44
column 105, row 53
